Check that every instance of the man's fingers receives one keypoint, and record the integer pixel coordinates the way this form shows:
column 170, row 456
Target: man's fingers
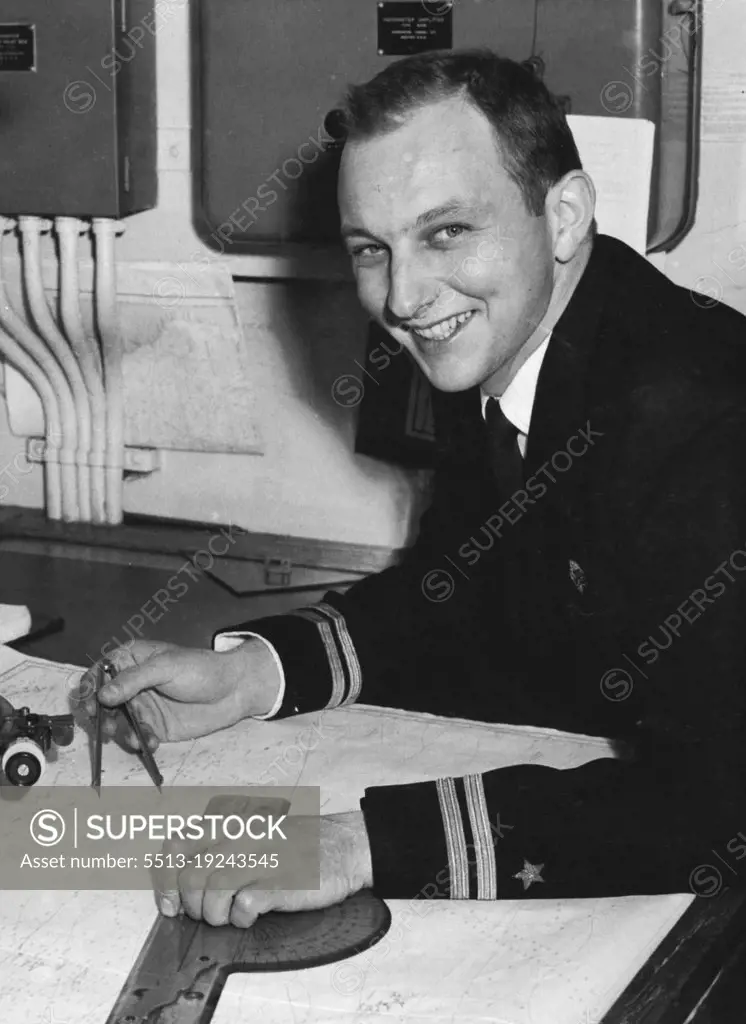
column 91, row 709
column 151, row 741
column 137, row 653
column 84, row 692
column 173, row 861
column 217, row 900
column 169, row 902
column 131, row 681
column 193, row 881
column 130, row 739
column 208, row 894
column 112, row 724
column 249, row 903
column 218, row 906
column 224, row 884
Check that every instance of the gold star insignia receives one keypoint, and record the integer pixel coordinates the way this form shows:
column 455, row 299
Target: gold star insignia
column 531, row 873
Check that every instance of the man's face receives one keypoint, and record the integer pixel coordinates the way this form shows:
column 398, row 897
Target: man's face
column 446, row 256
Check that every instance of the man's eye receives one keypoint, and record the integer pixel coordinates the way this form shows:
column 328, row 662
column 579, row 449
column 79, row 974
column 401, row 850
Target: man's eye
column 449, row 232
column 363, row 251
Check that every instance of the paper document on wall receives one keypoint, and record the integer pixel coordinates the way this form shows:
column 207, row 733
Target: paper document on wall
column 617, row 152
column 15, row 622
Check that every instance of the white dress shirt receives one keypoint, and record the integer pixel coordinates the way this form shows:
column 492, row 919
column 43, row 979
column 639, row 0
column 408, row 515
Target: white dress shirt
column 517, row 401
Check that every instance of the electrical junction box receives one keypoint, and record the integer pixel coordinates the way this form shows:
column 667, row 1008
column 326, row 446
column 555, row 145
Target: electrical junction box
column 270, row 73
column 77, row 107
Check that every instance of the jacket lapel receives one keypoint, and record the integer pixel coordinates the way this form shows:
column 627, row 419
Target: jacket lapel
column 559, row 454
column 561, row 402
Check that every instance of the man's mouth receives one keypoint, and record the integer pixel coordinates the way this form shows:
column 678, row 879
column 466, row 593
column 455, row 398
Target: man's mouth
column 444, row 329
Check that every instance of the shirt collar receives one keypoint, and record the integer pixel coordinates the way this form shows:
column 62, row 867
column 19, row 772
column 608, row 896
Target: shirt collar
column 517, row 401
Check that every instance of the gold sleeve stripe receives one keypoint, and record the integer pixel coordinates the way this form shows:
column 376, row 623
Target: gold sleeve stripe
column 484, row 849
column 330, row 646
column 348, row 651
column 455, row 839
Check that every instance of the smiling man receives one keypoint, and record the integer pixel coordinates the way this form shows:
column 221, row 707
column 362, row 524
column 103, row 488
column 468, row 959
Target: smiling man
column 582, row 564
column 448, row 251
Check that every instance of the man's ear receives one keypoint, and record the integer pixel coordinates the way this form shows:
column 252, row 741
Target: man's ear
column 570, row 209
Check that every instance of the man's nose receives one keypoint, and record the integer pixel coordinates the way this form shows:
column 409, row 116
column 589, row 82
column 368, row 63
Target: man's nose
column 411, row 291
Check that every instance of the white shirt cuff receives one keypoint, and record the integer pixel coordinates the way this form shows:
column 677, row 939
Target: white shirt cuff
column 227, row 641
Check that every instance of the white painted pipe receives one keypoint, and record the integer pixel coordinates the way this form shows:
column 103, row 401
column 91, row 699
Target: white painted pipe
column 16, row 356
column 61, row 421
column 105, row 286
column 31, row 242
column 87, row 353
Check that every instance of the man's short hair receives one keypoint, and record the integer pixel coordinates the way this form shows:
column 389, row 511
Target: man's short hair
column 534, row 139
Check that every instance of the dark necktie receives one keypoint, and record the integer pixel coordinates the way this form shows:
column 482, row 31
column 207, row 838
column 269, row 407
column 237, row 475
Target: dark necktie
column 504, row 454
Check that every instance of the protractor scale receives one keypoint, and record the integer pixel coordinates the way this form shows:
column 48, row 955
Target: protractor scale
column 184, row 964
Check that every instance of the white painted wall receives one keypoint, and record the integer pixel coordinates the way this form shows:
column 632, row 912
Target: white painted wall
column 308, row 482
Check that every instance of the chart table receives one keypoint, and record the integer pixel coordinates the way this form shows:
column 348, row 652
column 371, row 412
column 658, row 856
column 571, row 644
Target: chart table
column 67, row 954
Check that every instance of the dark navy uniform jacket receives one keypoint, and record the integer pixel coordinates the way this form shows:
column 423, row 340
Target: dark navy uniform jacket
column 607, row 597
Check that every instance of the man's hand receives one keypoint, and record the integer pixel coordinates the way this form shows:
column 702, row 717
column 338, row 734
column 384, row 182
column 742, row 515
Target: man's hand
column 179, row 693
column 220, row 895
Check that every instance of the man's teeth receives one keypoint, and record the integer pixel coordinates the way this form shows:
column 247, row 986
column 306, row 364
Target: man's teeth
column 440, row 331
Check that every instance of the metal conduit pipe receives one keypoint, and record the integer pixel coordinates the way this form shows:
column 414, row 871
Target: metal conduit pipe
column 105, row 287
column 87, row 353
column 17, row 357
column 61, row 423
column 31, row 244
